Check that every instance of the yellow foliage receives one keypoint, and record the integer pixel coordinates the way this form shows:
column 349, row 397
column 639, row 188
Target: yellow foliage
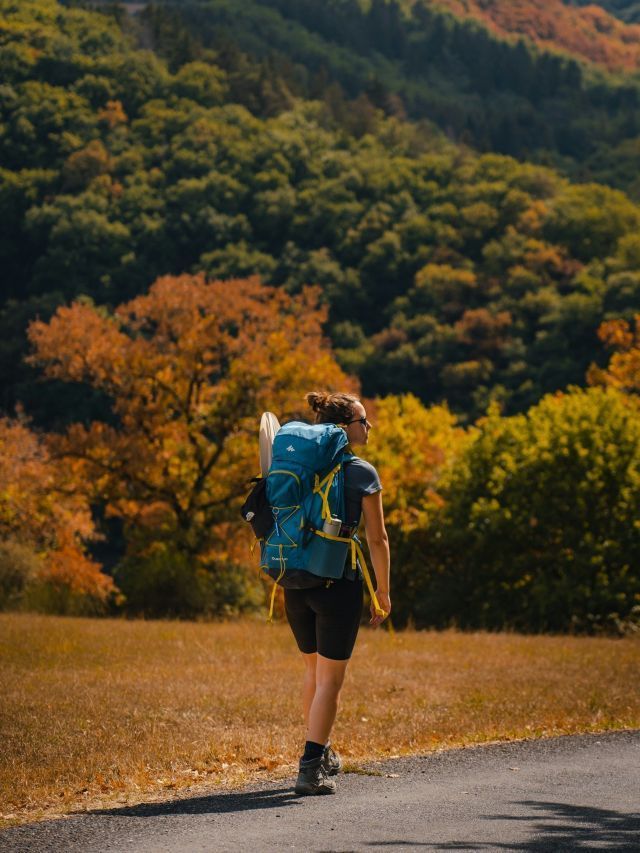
column 411, row 447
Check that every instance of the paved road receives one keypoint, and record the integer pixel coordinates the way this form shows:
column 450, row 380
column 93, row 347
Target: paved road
column 560, row 794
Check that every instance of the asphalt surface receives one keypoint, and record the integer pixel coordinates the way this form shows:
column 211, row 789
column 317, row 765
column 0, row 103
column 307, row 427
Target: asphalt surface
column 559, row 794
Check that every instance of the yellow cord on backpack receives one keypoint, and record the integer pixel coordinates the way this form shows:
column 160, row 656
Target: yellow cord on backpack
column 356, row 553
column 275, row 587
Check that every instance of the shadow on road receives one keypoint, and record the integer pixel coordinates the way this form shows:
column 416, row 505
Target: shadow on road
column 563, row 827
column 214, row 804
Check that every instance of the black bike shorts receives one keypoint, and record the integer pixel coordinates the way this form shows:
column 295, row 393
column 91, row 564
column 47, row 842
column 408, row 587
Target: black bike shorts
column 326, row 619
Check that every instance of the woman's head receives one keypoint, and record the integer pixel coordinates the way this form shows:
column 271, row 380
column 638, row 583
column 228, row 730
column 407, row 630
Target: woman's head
column 346, row 410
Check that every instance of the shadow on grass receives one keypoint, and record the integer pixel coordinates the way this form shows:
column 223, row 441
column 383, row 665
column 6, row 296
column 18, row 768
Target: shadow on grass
column 213, row 804
column 555, row 827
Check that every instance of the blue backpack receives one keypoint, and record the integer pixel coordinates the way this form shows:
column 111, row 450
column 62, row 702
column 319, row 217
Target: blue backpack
column 303, row 489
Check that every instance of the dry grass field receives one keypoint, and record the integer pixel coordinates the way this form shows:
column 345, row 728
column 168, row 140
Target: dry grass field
column 98, row 712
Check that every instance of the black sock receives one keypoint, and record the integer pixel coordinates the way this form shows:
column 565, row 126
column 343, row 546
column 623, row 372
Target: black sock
column 312, row 750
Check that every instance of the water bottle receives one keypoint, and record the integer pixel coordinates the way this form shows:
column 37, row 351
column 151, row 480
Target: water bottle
column 332, row 526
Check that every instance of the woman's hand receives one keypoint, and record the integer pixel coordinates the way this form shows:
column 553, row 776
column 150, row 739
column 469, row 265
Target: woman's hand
column 385, row 603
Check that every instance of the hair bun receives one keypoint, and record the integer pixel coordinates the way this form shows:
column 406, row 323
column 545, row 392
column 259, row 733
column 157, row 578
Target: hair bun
column 317, row 400
column 331, row 407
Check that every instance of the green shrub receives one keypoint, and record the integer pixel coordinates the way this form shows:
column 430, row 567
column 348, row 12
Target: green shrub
column 19, row 567
column 170, row 583
column 540, row 528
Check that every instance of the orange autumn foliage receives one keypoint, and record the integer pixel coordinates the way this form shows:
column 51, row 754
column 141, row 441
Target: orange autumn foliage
column 113, row 114
column 39, row 507
column 588, row 32
column 189, row 367
column 623, row 370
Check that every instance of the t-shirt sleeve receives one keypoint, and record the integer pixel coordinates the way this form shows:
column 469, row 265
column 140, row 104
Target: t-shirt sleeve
column 364, row 478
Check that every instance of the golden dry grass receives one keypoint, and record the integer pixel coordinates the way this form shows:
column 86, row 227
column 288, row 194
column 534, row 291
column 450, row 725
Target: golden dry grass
column 95, row 712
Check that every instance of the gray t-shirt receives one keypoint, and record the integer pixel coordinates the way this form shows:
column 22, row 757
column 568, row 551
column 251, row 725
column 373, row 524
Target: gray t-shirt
column 360, row 479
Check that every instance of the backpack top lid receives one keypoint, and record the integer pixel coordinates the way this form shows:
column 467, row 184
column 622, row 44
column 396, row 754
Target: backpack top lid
column 313, row 446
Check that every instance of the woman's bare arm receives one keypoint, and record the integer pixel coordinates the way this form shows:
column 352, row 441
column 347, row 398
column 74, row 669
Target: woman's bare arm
column 378, row 542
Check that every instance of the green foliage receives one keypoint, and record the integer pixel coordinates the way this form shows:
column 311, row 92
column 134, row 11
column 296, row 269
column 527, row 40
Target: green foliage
column 201, row 82
column 19, row 568
column 169, row 583
column 591, row 219
column 471, row 278
column 539, row 530
column 419, row 59
column 45, row 597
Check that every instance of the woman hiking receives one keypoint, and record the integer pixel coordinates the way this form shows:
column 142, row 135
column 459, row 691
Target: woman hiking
column 325, row 620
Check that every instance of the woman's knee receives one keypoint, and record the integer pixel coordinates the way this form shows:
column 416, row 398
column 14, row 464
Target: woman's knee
column 310, row 662
column 330, row 673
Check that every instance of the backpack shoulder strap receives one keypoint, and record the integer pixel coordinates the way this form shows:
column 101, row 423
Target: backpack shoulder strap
column 323, row 486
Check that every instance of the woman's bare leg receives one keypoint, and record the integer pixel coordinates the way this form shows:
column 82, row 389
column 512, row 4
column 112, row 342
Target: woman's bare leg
column 324, row 706
column 309, row 684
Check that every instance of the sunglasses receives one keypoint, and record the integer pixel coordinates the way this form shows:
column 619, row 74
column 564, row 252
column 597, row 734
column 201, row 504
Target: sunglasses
column 363, row 420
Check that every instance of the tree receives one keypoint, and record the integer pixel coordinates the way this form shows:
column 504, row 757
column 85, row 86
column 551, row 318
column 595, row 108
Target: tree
column 538, row 530
column 413, row 448
column 441, row 289
column 189, row 367
column 84, row 165
column 623, row 370
column 42, row 510
column 410, row 446
column 590, row 220
column 201, row 82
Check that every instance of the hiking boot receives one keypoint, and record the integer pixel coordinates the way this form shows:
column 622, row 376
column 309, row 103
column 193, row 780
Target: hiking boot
column 331, row 761
column 313, row 778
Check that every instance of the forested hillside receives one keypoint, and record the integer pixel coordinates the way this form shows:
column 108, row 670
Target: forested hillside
column 494, row 93
column 446, row 273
